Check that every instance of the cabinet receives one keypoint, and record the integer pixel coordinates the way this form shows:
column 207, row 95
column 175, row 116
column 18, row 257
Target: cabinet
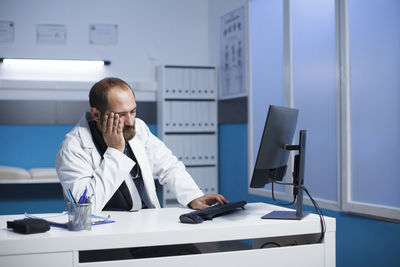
column 187, row 122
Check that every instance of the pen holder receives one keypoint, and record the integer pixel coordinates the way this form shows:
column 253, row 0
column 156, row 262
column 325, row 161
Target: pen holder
column 79, row 216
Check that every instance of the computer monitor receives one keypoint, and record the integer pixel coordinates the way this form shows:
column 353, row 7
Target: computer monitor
column 273, row 155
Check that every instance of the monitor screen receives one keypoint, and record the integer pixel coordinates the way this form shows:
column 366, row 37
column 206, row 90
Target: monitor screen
column 272, row 157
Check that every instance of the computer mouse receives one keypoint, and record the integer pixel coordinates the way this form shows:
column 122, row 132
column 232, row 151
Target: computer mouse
column 190, row 218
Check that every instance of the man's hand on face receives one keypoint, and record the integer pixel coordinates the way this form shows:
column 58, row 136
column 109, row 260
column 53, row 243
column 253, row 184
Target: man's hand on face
column 112, row 131
column 207, row 200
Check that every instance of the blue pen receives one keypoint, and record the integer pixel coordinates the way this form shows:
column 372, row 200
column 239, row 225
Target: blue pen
column 71, row 198
column 82, row 199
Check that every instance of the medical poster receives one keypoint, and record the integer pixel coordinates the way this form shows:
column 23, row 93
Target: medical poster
column 233, row 51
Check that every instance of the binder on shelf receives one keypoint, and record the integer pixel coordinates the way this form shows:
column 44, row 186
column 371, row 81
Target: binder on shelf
column 193, row 89
column 212, row 119
column 187, row 87
column 199, row 84
column 212, row 84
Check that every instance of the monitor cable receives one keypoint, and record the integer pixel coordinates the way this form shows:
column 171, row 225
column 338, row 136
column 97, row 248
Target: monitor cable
column 321, row 217
column 273, row 195
column 302, row 187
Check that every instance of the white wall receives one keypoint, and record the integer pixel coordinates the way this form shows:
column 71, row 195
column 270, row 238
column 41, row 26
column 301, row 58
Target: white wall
column 151, row 32
column 216, row 10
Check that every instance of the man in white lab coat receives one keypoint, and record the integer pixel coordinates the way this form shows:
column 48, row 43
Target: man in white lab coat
column 114, row 156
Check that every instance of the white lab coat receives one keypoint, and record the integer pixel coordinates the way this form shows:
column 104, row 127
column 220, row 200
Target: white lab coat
column 79, row 165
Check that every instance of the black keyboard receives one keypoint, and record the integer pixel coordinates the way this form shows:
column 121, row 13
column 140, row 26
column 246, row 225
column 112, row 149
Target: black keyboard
column 199, row 216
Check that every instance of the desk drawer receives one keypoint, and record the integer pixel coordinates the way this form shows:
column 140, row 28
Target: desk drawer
column 302, row 255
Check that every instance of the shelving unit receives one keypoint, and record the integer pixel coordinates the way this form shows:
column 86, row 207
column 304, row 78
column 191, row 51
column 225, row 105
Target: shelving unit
column 187, row 121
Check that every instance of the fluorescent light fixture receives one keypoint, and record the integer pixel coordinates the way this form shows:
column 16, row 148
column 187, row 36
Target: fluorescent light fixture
column 54, row 62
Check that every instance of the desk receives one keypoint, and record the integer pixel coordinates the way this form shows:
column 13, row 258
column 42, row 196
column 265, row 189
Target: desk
column 59, row 247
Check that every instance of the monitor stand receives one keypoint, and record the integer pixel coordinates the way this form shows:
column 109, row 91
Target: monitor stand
column 298, row 181
column 284, row 215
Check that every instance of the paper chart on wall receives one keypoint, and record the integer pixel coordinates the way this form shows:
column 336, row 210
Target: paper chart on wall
column 232, row 55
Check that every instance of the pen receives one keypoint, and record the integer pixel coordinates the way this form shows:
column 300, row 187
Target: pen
column 71, row 197
column 82, row 199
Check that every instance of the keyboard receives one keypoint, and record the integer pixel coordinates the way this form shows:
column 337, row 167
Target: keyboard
column 198, row 216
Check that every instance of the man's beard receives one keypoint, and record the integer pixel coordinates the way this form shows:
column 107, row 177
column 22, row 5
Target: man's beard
column 129, row 132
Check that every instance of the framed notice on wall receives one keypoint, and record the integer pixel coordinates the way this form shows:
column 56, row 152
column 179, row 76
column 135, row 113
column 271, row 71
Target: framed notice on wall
column 51, row 34
column 6, row 31
column 233, row 55
column 103, row 34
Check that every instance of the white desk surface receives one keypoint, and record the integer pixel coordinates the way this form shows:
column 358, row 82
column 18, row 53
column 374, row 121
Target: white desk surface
column 158, row 227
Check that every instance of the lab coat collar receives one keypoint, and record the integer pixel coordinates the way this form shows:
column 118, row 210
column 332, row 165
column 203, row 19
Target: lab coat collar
column 84, row 131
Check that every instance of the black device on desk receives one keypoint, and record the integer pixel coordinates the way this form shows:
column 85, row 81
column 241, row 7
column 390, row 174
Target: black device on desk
column 199, row 216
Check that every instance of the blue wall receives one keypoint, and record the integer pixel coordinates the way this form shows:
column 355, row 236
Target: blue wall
column 31, row 146
column 360, row 241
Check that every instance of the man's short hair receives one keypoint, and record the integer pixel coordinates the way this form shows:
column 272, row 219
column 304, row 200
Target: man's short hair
column 98, row 95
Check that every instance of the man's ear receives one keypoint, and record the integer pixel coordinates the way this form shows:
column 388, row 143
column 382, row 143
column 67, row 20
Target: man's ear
column 95, row 113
